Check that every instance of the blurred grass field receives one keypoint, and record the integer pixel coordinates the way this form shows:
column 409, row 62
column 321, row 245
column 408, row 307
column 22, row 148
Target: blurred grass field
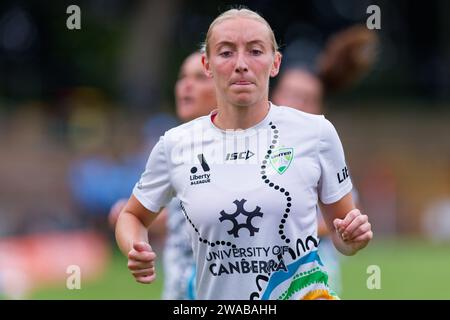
column 410, row 269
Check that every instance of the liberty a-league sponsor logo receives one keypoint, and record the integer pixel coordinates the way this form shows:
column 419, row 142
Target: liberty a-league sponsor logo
column 343, row 175
column 199, row 178
column 245, row 155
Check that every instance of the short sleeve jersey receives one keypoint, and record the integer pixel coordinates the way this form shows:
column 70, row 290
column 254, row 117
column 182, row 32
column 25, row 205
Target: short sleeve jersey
column 250, row 198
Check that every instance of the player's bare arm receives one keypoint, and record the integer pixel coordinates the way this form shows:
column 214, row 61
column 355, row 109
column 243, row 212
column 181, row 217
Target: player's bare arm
column 132, row 238
column 353, row 229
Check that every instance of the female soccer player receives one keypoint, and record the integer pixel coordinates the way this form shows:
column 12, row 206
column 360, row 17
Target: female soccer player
column 249, row 177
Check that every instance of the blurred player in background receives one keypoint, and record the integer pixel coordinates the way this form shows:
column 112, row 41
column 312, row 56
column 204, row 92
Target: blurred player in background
column 306, row 79
column 195, row 97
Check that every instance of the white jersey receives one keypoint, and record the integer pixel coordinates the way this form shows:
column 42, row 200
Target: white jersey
column 250, row 199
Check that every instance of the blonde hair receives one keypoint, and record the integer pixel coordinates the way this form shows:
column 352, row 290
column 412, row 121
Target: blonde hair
column 238, row 13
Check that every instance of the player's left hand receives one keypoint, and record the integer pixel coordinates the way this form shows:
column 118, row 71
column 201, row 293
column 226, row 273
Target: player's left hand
column 355, row 230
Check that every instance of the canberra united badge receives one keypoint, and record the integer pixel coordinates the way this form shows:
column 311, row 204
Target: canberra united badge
column 281, row 158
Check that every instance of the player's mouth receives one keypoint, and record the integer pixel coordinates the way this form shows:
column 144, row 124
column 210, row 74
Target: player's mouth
column 186, row 100
column 241, row 83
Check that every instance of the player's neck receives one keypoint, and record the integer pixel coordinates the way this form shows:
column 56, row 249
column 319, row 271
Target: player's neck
column 241, row 117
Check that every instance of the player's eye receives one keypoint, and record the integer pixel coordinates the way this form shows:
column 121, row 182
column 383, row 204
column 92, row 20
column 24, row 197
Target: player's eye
column 225, row 54
column 256, row 52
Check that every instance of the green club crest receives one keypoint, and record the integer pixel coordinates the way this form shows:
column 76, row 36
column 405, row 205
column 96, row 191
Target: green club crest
column 281, row 158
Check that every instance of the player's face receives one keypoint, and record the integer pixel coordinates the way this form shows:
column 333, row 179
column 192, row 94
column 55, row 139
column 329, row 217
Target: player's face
column 194, row 91
column 241, row 60
column 300, row 90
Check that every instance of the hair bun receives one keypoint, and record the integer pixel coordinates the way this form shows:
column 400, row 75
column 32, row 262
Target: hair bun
column 347, row 57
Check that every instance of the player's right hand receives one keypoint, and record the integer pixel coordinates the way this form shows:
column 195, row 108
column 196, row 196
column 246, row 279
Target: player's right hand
column 141, row 262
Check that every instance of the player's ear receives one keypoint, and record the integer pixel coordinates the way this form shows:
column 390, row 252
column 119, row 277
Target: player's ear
column 206, row 66
column 276, row 64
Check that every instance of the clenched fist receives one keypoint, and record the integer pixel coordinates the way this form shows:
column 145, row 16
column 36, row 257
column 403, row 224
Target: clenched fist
column 141, row 262
column 355, row 230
